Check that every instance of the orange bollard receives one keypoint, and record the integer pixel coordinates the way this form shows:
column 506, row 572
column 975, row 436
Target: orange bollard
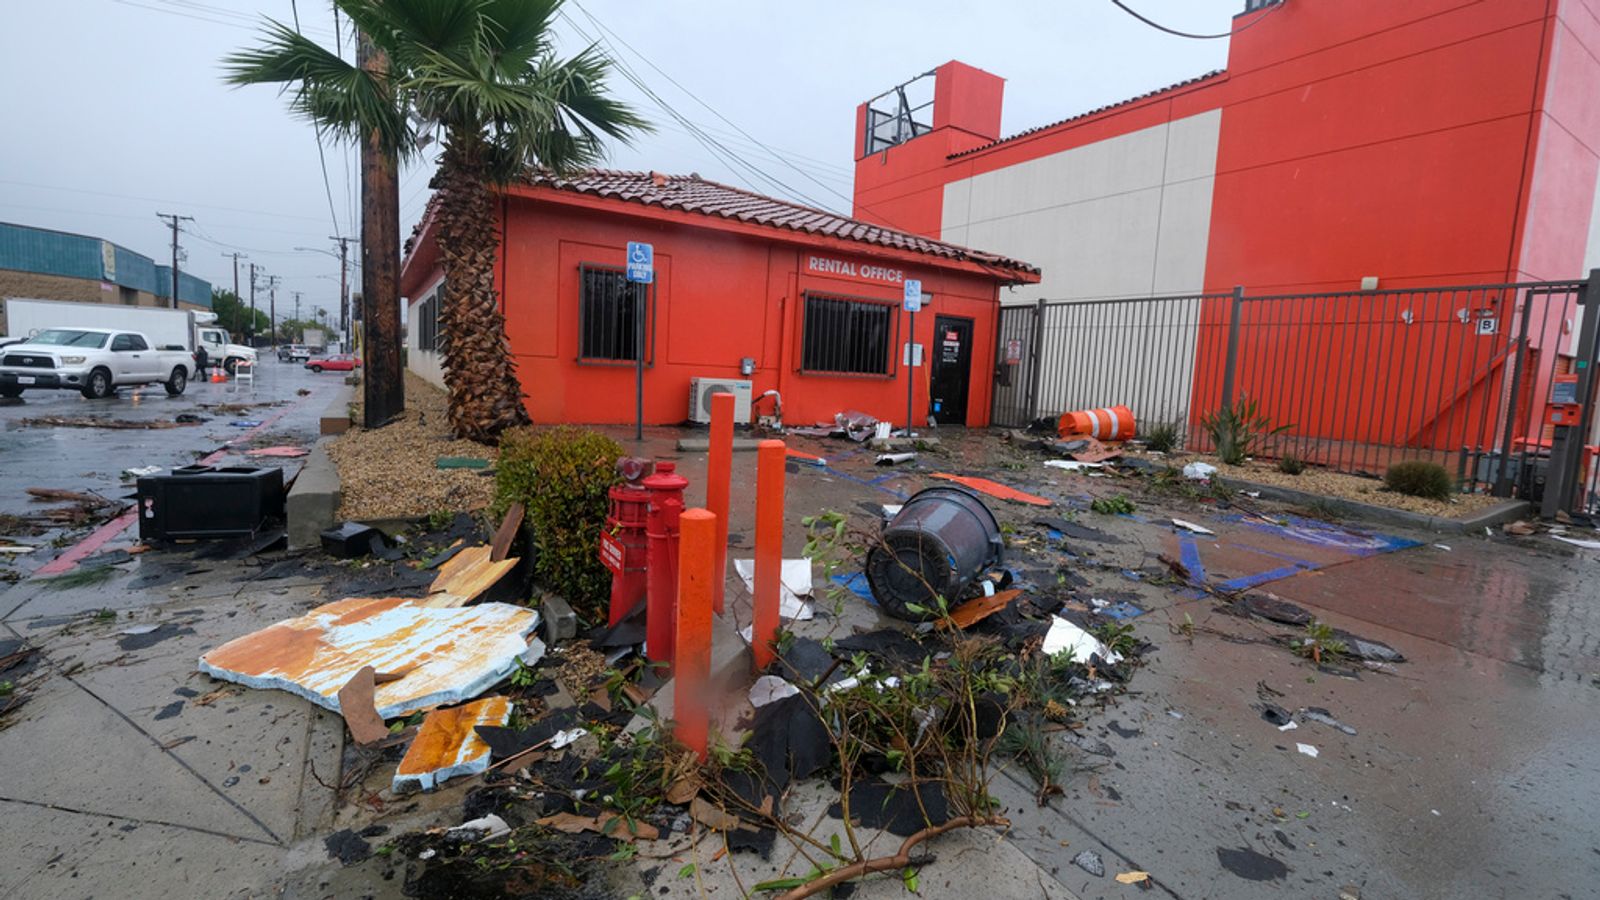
column 697, row 536
column 719, row 478
column 769, row 550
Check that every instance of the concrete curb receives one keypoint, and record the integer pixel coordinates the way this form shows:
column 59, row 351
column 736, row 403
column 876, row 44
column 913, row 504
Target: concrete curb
column 313, row 502
column 336, row 415
column 703, row 445
column 1505, row 511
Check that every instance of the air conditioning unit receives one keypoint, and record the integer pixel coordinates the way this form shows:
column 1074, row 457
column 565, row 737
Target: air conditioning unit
column 701, row 389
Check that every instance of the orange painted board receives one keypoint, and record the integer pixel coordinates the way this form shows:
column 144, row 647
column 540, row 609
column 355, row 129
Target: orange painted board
column 448, row 745
column 446, row 655
column 973, row 611
column 464, row 577
column 994, row 489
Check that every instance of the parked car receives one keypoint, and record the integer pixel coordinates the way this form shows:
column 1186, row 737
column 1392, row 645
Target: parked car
column 167, row 329
column 95, row 361
column 339, row 362
column 294, row 353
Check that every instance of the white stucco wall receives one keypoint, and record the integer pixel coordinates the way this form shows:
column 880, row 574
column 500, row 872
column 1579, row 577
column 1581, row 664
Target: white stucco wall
column 425, row 363
column 1124, row 217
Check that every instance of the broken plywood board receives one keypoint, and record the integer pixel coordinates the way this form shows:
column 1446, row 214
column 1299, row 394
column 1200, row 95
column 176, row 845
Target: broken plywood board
column 446, row 655
column 465, row 576
column 448, row 745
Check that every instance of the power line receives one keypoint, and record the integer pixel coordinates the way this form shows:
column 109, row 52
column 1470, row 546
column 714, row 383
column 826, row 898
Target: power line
column 322, row 159
column 1199, row 37
column 715, row 147
column 747, row 135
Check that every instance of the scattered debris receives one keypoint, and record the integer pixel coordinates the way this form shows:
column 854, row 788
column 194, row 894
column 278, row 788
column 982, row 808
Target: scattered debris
column 1065, row 636
column 279, row 452
column 796, row 580
column 1250, row 865
column 1318, row 714
column 994, row 489
column 608, row 825
column 1307, row 749
column 447, row 744
column 484, row 828
column 1133, row 877
column 973, row 611
column 1199, row 471
column 350, row 540
column 1277, row 716
column 1520, row 527
column 140, row 472
column 467, row 575
column 347, row 847
column 1578, row 542
column 1190, row 526
column 448, row 655
column 563, row 738
column 356, row 706
column 894, row 459
column 770, row 689
column 93, row 422
column 1090, row 862
column 1072, row 465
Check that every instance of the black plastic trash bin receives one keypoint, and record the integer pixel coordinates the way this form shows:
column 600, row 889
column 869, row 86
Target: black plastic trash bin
column 939, row 542
column 197, row 502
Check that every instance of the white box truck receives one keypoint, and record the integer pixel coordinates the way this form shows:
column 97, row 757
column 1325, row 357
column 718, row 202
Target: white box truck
column 167, row 329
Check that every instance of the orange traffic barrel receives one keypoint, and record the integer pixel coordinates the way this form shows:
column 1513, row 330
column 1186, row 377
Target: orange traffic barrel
column 1111, row 423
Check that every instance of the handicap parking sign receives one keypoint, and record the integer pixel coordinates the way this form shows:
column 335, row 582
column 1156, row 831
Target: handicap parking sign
column 641, row 262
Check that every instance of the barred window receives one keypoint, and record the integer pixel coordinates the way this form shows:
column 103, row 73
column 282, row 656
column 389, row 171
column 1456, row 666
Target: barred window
column 846, row 335
column 428, row 321
column 609, row 311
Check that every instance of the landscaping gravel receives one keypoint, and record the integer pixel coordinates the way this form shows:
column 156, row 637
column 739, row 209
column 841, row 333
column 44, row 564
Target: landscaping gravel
column 391, row 472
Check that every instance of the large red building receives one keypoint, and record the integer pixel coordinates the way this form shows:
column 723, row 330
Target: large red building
column 747, row 288
column 1419, row 143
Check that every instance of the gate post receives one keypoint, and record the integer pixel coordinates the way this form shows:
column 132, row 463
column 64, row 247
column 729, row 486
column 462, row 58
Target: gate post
column 1229, row 366
column 1565, row 484
column 1034, row 363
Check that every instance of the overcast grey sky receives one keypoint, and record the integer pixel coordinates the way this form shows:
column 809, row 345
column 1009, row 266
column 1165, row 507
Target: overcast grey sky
column 115, row 109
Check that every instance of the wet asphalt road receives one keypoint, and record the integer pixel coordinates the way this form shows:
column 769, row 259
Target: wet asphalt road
column 93, row 459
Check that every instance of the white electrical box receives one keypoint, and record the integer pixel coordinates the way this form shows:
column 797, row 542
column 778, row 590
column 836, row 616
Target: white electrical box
column 701, row 389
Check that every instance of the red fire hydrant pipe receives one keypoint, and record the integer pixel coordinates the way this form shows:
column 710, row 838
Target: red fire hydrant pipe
column 661, row 531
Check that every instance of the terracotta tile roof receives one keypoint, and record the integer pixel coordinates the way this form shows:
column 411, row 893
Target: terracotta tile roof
column 1093, row 112
column 693, row 194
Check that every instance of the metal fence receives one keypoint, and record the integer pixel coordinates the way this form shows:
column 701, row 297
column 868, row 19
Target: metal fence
column 1362, row 379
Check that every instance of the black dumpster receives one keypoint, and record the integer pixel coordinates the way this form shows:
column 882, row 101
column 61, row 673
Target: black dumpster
column 197, row 502
column 940, row 542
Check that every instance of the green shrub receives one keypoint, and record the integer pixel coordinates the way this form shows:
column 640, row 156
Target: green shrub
column 1163, row 437
column 1237, row 431
column 562, row 476
column 1419, row 478
column 1290, row 464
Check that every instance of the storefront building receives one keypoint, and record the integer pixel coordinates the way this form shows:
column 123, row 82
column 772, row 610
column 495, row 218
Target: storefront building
column 748, row 289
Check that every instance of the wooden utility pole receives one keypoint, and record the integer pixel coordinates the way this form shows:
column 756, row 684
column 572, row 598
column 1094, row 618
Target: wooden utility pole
column 175, row 220
column 236, row 257
column 272, row 311
column 382, row 386
column 250, row 329
column 344, row 290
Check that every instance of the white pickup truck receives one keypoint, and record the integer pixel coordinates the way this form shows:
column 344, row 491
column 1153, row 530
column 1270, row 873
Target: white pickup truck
column 95, row 361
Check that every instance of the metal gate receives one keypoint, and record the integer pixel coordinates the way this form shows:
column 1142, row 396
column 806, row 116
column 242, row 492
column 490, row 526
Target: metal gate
column 1462, row 376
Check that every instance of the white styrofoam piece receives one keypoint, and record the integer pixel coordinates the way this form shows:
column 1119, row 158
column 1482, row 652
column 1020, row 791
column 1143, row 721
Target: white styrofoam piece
column 1072, row 465
column 1308, row 750
column 1190, row 526
column 796, row 579
column 770, row 689
column 1064, row 635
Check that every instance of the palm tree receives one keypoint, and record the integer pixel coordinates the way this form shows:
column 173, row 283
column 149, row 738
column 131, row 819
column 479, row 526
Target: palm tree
column 485, row 74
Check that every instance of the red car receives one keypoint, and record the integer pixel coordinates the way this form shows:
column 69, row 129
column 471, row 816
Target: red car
column 340, row 362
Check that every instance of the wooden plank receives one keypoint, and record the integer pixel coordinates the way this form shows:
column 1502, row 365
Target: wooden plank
column 466, row 576
column 506, row 533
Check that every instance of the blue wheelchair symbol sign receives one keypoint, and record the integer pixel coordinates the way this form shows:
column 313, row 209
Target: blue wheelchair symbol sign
column 641, row 262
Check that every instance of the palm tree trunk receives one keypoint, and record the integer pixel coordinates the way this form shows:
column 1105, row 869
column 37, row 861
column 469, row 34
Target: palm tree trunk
column 485, row 394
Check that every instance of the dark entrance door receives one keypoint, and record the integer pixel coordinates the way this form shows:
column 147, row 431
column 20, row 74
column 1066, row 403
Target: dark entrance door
column 952, row 369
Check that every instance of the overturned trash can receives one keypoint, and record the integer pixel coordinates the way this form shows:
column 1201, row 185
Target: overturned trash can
column 942, row 540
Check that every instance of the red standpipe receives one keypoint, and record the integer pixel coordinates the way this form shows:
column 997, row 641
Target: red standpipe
column 625, row 547
column 661, row 531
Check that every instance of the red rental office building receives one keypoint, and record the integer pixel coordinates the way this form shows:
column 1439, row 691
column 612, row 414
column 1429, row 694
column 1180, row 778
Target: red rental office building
column 749, row 289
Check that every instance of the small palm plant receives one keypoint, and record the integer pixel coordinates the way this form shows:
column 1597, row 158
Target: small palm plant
column 1237, row 431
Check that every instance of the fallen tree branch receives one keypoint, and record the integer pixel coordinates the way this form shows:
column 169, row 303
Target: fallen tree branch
column 888, row 863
